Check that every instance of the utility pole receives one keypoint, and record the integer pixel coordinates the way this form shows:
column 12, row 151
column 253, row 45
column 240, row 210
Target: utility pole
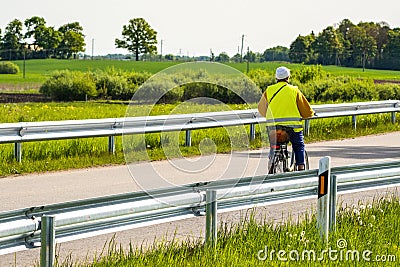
column 24, row 66
column 161, row 49
column 92, row 47
column 241, row 50
column 248, row 59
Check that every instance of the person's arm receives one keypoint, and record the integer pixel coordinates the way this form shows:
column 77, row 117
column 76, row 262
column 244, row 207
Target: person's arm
column 263, row 105
column 304, row 107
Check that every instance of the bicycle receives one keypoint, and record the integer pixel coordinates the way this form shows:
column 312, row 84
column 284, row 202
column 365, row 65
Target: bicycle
column 279, row 161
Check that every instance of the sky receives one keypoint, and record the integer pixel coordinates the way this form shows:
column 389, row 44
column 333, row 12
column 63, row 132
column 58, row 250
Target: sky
column 194, row 28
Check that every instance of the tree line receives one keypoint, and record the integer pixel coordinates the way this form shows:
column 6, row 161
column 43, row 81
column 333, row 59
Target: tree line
column 366, row 44
column 32, row 38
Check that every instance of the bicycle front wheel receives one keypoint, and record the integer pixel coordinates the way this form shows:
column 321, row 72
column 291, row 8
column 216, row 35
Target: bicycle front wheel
column 293, row 161
column 307, row 163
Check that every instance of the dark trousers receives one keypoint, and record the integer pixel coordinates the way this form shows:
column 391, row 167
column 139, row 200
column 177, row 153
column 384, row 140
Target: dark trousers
column 297, row 140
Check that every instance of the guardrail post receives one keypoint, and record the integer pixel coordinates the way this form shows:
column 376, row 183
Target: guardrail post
column 111, row 144
column 323, row 211
column 47, row 250
column 354, row 121
column 211, row 218
column 18, row 151
column 332, row 203
column 252, row 132
column 188, row 138
column 306, row 127
column 393, row 117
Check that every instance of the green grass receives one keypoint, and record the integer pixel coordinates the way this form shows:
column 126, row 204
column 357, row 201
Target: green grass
column 53, row 111
column 369, row 229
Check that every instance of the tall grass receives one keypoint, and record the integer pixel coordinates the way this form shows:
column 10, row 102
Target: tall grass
column 366, row 234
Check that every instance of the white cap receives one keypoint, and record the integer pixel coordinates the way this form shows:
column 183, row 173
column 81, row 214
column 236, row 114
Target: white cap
column 282, row 73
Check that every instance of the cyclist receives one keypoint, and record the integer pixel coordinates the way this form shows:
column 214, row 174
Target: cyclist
column 285, row 105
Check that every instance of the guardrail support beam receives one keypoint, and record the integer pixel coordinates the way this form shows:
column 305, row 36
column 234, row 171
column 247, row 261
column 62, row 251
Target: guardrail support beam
column 354, row 121
column 18, row 152
column 211, row 218
column 188, row 138
column 393, row 117
column 252, row 132
column 48, row 243
column 306, row 127
column 111, row 144
column 332, row 203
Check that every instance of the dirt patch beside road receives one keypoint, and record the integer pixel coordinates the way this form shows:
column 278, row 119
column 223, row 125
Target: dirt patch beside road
column 18, row 98
column 386, row 81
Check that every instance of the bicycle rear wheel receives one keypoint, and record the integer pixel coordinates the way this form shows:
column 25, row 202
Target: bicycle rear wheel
column 278, row 165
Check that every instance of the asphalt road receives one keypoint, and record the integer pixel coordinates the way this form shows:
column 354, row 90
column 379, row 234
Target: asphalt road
column 39, row 189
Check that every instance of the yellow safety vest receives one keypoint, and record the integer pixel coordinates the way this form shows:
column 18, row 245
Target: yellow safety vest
column 283, row 108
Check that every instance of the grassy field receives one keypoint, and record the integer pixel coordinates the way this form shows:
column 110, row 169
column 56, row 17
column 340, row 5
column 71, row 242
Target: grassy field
column 37, row 71
column 366, row 235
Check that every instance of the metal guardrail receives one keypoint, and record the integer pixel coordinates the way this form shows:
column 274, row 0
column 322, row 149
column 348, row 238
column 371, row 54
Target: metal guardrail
column 18, row 133
column 24, row 228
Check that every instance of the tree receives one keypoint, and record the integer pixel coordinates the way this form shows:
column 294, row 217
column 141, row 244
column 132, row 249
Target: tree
column 31, row 24
column 391, row 52
column 170, row 57
column 278, row 53
column 72, row 40
column 45, row 39
column 138, row 37
column 250, row 56
column 378, row 31
column 32, row 29
column 328, row 47
column 344, row 32
column 12, row 40
column 1, row 43
column 49, row 39
column 364, row 46
column 300, row 49
column 236, row 58
column 222, row 57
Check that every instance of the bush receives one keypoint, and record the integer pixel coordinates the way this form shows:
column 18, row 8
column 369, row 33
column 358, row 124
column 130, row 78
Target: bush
column 8, row 68
column 114, row 86
column 339, row 89
column 159, row 89
column 68, row 86
column 388, row 91
column 137, row 78
column 351, row 90
column 309, row 73
column 261, row 78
